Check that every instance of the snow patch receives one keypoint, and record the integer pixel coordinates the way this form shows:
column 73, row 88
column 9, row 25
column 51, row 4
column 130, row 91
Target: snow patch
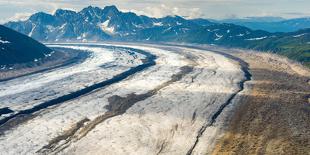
column 62, row 27
column 240, row 35
column 184, row 29
column 300, row 35
column 82, row 36
column 137, row 26
column 105, row 27
column 50, row 28
column 166, row 30
column 31, row 32
column 158, row 24
column 50, row 54
column 218, row 36
column 4, row 41
column 259, row 38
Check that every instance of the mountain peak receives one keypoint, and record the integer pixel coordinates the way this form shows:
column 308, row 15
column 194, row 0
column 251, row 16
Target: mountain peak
column 59, row 12
column 41, row 16
column 91, row 9
column 111, row 8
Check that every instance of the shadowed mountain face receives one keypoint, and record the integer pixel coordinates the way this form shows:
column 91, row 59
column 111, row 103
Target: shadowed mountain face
column 19, row 48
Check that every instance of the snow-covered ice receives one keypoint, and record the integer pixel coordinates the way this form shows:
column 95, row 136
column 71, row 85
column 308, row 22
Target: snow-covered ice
column 25, row 92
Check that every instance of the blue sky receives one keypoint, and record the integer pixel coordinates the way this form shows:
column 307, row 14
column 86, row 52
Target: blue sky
column 216, row 9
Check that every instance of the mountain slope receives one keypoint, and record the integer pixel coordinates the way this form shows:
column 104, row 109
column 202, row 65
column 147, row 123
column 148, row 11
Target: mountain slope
column 295, row 45
column 18, row 48
column 289, row 25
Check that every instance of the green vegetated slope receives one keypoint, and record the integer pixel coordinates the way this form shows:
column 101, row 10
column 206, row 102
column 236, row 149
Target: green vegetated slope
column 295, row 46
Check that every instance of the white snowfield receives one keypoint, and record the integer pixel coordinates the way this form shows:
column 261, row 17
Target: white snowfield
column 166, row 122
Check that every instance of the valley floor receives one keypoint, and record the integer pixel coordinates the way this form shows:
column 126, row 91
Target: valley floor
column 158, row 99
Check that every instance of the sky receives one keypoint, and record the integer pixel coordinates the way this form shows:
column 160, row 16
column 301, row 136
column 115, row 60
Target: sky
column 12, row 10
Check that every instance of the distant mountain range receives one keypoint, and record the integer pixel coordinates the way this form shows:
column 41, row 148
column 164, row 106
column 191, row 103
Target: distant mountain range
column 96, row 24
column 19, row 48
column 270, row 24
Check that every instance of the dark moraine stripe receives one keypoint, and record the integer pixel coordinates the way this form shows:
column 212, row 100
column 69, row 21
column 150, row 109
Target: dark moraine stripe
column 5, row 110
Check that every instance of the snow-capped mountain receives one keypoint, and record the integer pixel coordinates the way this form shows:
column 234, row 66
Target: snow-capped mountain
column 91, row 23
column 19, row 48
column 94, row 23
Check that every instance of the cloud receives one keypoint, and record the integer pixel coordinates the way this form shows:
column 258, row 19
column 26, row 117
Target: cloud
column 165, row 10
column 17, row 17
column 154, row 8
column 159, row 8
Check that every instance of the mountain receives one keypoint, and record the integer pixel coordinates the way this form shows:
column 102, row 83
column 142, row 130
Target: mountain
column 97, row 24
column 94, row 23
column 91, row 23
column 271, row 24
column 19, row 48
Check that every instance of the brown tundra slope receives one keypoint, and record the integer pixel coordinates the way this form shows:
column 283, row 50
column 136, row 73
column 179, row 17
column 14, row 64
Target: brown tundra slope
column 273, row 115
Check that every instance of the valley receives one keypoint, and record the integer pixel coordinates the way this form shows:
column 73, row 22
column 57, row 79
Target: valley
column 135, row 98
column 154, row 77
